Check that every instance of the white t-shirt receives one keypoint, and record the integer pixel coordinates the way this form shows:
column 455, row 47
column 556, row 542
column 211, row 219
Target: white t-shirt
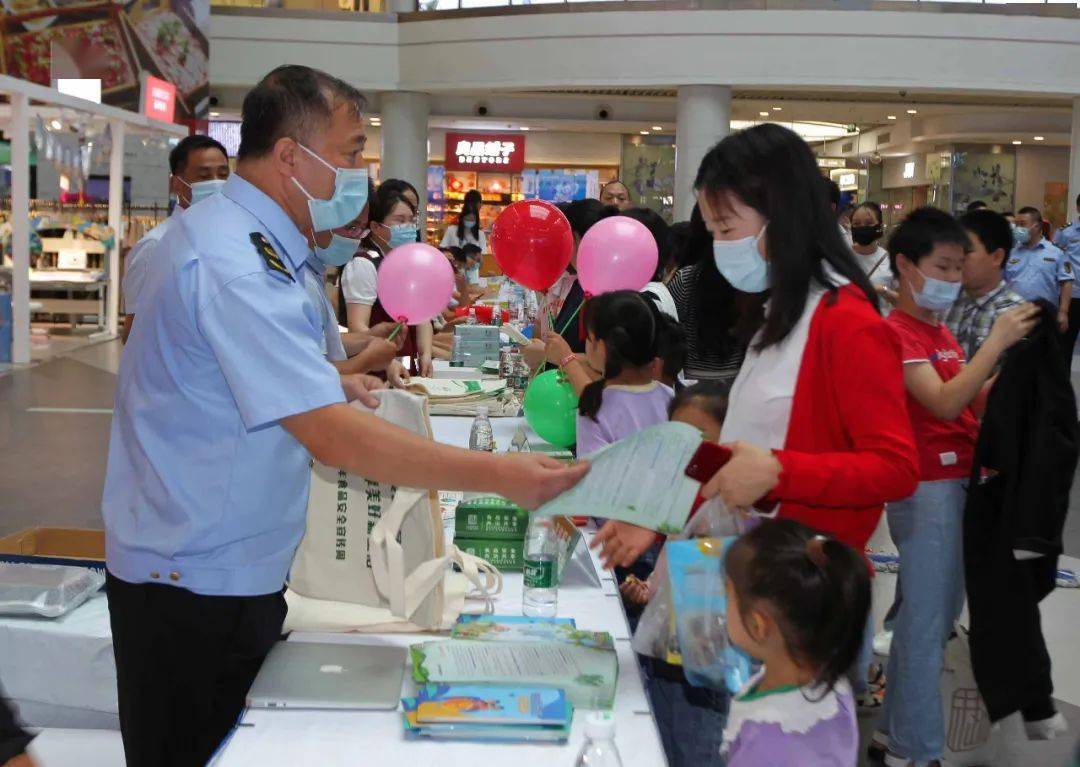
column 137, row 263
column 358, row 281
column 664, row 302
column 451, row 239
column 876, row 266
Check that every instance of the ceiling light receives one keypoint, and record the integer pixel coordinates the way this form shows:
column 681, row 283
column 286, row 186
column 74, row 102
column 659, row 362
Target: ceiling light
column 525, row 127
column 891, row 117
column 215, row 114
column 763, row 114
column 1017, row 142
column 778, row 109
column 644, row 133
column 56, row 125
column 658, row 127
column 1040, row 138
column 913, row 111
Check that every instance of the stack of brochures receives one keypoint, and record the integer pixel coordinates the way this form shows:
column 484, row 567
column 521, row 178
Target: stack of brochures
column 489, row 712
column 523, row 652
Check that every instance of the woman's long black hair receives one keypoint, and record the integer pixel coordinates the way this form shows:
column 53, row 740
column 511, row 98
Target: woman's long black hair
column 471, row 205
column 629, row 325
column 772, row 170
column 817, row 589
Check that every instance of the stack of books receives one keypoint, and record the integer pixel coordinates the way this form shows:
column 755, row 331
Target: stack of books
column 523, row 652
column 492, row 529
column 488, row 712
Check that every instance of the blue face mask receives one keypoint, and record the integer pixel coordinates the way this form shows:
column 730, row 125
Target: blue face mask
column 349, row 198
column 338, row 252
column 1020, row 235
column 936, row 295
column 401, row 234
column 741, row 264
column 202, row 189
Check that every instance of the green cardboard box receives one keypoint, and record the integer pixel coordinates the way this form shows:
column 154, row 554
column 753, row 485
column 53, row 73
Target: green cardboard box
column 507, row 555
column 490, row 518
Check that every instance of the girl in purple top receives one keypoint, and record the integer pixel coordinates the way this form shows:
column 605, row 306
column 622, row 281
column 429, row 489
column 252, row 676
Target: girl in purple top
column 798, row 602
column 622, row 340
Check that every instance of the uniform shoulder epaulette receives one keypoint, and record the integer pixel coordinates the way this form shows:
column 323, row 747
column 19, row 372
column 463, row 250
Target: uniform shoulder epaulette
column 269, row 255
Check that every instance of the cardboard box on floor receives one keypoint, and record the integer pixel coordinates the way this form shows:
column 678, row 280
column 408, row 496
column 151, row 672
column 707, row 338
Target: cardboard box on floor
column 55, row 546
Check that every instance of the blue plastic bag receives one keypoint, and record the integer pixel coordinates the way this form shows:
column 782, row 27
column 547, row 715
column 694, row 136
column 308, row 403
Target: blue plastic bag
column 699, row 598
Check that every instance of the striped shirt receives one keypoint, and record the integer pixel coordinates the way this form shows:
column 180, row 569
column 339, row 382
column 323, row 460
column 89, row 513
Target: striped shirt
column 971, row 319
column 702, row 364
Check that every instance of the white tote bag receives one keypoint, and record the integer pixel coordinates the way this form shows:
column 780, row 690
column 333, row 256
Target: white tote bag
column 374, row 556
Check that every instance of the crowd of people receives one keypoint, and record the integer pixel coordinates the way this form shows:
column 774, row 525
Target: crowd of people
column 847, row 369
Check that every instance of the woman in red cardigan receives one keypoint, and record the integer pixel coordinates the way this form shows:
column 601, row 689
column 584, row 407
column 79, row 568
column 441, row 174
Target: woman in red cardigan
column 817, row 419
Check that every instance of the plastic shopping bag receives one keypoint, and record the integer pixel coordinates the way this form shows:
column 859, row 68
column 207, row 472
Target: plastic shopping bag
column 45, row 590
column 968, row 736
column 656, row 635
column 699, row 599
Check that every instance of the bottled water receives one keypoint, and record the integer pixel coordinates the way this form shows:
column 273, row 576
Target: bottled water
column 496, row 314
column 480, row 438
column 472, row 316
column 599, row 749
column 541, row 596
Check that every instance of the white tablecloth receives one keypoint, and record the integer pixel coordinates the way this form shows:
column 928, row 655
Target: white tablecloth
column 61, row 674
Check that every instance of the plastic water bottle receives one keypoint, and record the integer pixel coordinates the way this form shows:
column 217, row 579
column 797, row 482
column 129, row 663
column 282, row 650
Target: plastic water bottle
column 481, row 438
column 496, row 314
column 472, row 316
column 541, row 596
column 599, row 749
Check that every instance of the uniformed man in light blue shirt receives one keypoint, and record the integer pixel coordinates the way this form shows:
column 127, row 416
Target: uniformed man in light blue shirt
column 1068, row 239
column 223, row 397
column 1038, row 270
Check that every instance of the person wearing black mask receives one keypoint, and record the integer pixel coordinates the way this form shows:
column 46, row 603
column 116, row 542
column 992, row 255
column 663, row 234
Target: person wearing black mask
column 866, row 233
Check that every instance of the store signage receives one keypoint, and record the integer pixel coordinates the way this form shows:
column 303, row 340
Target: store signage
column 909, row 169
column 503, row 152
column 847, row 181
column 89, row 89
column 158, row 99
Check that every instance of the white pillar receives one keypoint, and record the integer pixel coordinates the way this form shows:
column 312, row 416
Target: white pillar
column 703, row 117
column 1074, row 162
column 401, row 6
column 405, row 140
column 116, row 207
column 19, row 132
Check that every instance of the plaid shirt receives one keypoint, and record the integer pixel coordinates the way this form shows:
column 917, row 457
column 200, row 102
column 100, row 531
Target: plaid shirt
column 971, row 319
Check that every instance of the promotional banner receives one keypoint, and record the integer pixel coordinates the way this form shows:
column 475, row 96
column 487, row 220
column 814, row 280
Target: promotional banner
column 118, row 43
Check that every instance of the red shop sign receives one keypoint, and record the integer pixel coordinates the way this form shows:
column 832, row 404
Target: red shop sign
column 503, row 152
column 158, row 99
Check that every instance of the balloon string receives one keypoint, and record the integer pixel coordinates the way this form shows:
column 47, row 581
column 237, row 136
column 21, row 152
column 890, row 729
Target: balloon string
column 572, row 317
column 400, row 325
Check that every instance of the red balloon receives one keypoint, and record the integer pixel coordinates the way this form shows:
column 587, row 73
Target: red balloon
column 533, row 243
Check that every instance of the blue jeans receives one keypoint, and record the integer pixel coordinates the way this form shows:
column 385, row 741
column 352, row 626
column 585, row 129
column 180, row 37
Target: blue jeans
column 690, row 719
column 927, row 529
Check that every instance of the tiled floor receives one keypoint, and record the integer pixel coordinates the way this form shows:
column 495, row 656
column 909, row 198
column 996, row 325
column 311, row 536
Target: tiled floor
column 54, row 431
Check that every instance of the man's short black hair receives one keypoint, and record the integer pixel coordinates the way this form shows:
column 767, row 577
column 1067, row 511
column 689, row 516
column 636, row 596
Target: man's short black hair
column 178, row 157
column 1078, row 201
column 922, row 231
column 470, row 249
column 291, row 101
column 456, row 253
column 1031, row 212
column 975, row 205
column 832, row 189
column 992, row 229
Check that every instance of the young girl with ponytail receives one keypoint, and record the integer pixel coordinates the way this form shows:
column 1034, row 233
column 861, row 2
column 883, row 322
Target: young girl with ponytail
column 623, row 334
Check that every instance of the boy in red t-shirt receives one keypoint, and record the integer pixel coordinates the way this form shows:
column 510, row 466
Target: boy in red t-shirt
column 926, row 253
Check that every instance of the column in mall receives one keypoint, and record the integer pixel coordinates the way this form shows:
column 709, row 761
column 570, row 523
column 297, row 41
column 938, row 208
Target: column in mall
column 405, row 140
column 401, row 6
column 703, row 117
column 18, row 131
column 1074, row 160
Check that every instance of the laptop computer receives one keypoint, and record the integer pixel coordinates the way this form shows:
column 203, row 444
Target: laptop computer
column 314, row 675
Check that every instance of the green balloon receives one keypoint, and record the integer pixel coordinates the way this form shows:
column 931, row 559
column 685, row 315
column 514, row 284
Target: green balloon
column 551, row 408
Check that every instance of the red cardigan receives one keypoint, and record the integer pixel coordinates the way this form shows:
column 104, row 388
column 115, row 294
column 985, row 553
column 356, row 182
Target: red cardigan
column 849, row 446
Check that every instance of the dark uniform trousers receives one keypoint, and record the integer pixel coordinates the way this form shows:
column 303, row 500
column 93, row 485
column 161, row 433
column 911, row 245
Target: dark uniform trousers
column 184, row 664
column 1069, row 341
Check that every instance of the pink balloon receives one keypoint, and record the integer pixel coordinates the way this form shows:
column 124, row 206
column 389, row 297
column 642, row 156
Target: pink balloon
column 618, row 253
column 415, row 283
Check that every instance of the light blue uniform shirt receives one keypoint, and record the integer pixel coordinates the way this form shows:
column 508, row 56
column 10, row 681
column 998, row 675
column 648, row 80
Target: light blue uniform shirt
column 1068, row 239
column 1037, row 272
column 315, row 283
column 137, row 263
column 204, row 488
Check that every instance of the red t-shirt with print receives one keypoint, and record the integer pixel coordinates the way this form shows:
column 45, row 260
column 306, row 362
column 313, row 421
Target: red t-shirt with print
column 946, row 448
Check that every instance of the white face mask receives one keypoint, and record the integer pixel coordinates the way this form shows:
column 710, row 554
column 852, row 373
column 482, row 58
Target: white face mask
column 741, row 263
